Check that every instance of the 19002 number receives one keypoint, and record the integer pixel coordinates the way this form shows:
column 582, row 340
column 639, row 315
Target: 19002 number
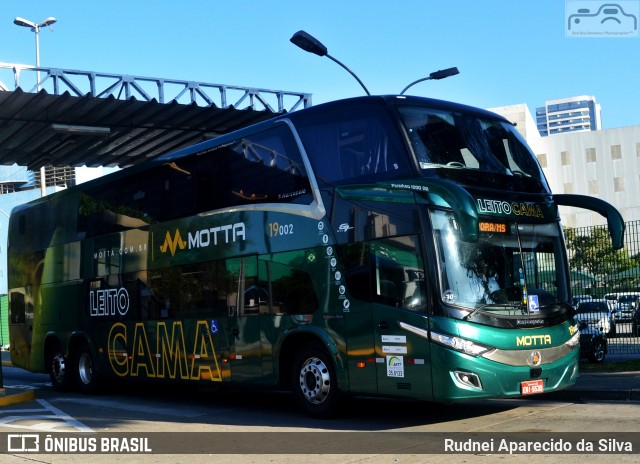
column 276, row 229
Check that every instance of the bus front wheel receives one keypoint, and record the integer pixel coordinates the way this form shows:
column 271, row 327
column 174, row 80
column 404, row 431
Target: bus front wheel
column 85, row 376
column 314, row 382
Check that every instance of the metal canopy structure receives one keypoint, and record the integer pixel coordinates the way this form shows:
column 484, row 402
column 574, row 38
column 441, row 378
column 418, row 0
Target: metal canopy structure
column 77, row 118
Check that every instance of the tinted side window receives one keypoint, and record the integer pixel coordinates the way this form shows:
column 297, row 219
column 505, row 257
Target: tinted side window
column 286, row 279
column 356, row 143
column 266, row 168
column 388, row 271
column 249, row 286
column 201, row 290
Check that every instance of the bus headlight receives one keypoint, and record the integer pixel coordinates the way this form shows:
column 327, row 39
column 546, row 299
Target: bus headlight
column 575, row 340
column 460, row 344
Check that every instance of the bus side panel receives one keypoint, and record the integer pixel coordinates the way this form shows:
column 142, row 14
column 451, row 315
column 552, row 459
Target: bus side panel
column 24, row 277
column 405, row 352
column 361, row 351
column 61, row 305
column 54, row 314
column 180, row 350
column 21, row 307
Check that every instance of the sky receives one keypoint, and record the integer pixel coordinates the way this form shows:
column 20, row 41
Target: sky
column 508, row 51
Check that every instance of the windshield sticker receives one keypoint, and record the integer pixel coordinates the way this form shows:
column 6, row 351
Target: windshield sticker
column 395, row 366
column 394, row 349
column 394, row 339
column 449, row 297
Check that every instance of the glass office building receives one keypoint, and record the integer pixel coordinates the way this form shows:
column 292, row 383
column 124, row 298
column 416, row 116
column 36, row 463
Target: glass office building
column 568, row 115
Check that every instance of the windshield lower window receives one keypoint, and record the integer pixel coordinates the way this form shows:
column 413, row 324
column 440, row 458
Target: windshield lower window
column 513, row 270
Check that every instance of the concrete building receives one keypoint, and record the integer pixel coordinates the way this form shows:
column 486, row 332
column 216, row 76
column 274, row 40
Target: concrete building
column 600, row 163
column 603, row 164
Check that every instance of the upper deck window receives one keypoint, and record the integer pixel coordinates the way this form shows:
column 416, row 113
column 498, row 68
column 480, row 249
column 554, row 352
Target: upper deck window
column 442, row 138
column 264, row 167
column 356, row 144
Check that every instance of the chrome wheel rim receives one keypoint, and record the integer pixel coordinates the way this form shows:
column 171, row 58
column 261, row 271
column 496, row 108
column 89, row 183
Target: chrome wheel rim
column 85, row 369
column 315, row 381
column 58, row 368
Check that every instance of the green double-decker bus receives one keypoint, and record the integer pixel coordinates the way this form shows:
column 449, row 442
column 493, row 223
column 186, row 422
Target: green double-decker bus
column 381, row 245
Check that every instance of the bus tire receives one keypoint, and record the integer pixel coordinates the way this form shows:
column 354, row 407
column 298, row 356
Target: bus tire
column 314, row 383
column 60, row 372
column 85, row 375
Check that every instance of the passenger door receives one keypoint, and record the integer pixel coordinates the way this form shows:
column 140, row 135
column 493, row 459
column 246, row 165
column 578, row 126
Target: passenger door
column 400, row 321
column 402, row 352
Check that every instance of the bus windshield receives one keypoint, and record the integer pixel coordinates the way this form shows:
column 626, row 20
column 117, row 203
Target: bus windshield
column 513, row 269
column 453, row 139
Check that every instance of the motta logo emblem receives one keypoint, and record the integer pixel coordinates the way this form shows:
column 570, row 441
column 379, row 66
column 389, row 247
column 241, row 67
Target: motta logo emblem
column 173, row 244
column 220, row 235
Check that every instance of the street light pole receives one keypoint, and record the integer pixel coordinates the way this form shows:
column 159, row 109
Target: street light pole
column 35, row 27
column 308, row 43
column 436, row 75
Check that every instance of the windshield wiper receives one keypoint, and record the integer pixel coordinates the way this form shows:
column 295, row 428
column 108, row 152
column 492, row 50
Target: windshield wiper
column 472, row 313
column 514, row 305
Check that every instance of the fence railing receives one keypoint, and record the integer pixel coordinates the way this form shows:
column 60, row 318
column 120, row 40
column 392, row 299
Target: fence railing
column 597, row 272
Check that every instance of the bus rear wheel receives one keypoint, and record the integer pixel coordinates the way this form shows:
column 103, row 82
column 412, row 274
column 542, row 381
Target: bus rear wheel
column 59, row 370
column 85, row 376
column 314, row 382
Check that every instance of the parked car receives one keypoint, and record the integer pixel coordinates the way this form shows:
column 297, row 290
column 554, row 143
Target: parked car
column 593, row 343
column 620, row 303
column 627, row 303
column 635, row 321
column 612, row 301
column 577, row 299
column 597, row 316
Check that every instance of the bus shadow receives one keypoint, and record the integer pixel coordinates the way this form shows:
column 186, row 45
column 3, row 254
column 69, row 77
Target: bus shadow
column 276, row 409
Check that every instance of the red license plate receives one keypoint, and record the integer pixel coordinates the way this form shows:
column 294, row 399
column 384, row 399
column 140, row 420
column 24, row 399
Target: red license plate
column 532, row 387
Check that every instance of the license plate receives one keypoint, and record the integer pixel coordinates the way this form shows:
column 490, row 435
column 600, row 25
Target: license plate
column 532, row 387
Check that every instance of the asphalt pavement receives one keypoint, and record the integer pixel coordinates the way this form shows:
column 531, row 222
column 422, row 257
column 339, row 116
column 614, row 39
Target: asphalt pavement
column 590, row 386
column 605, row 386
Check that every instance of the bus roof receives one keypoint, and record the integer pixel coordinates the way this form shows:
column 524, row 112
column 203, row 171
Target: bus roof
column 379, row 101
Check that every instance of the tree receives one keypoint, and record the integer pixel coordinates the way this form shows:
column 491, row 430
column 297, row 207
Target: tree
column 593, row 253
